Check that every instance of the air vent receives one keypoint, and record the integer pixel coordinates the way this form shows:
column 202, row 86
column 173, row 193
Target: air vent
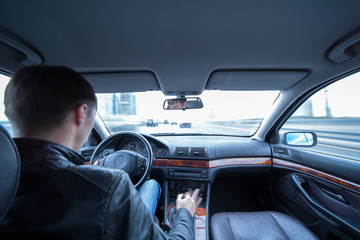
column 197, row 152
column 181, row 151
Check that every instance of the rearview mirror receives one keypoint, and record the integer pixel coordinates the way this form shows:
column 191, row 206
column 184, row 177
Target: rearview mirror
column 300, row 139
column 183, row 103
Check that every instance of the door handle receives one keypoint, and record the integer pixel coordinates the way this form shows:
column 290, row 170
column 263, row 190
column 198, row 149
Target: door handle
column 333, row 195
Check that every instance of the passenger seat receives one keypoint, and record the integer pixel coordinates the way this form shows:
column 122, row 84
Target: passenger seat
column 258, row 225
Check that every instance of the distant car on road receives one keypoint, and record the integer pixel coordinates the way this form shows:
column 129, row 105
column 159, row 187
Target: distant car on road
column 185, row 125
column 174, row 123
column 166, row 121
column 151, row 123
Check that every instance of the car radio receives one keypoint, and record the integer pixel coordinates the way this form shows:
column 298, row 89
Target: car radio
column 179, row 186
column 188, row 173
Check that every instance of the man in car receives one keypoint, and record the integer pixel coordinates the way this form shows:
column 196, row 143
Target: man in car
column 179, row 103
column 52, row 111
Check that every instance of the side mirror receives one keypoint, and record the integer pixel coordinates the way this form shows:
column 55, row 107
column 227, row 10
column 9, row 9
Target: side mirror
column 300, row 139
column 183, row 103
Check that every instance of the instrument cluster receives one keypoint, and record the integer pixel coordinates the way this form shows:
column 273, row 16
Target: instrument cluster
column 139, row 147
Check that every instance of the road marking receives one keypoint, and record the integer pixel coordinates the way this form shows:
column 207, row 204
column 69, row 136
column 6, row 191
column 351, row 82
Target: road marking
column 234, row 128
column 202, row 130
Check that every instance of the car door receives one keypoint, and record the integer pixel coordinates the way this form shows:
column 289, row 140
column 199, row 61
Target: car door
column 318, row 181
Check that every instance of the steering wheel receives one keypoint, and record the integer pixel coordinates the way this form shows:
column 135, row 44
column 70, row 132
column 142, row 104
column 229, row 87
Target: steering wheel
column 137, row 166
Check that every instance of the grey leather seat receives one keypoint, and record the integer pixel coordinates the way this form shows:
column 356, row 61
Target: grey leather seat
column 257, row 225
column 9, row 171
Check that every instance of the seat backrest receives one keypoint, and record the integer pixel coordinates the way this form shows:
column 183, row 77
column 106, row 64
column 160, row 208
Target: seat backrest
column 9, row 171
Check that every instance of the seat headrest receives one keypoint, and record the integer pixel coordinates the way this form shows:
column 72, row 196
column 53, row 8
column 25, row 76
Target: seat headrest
column 9, row 171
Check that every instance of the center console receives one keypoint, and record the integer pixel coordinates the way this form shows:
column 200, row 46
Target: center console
column 188, row 173
column 181, row 186
column 181, row 180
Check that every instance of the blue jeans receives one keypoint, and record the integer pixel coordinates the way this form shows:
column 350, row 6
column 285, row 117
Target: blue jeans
column 150, row 193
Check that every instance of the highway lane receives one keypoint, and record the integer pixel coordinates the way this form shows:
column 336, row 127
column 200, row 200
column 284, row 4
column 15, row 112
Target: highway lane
column 197, row 128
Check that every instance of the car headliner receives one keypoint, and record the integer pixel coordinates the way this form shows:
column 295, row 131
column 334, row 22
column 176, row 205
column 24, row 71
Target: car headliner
column 185, row 47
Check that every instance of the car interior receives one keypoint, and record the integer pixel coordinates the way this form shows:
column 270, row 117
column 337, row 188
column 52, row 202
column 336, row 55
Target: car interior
column 292, row 173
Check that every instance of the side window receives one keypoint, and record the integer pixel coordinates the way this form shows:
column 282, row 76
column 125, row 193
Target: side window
column 333, row 113
column 3, row 119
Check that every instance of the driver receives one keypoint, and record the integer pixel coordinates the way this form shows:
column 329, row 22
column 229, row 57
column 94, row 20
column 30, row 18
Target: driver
column 178, row 103
column 52, row 111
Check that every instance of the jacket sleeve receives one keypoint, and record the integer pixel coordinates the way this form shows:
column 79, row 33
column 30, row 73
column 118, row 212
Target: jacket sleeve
column 127, row 217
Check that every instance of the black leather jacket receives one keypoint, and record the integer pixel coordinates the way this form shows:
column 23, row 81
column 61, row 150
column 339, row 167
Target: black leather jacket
column 61, row 198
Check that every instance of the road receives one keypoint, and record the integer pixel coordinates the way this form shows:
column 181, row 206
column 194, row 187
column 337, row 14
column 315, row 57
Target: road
column 201, row 128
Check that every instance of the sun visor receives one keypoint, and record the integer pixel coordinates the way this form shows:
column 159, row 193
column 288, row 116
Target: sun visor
column 16, row 53
column 9, row 59
column 141, row 81
column 254, row 79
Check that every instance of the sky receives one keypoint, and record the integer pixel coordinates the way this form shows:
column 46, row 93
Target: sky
column 343, row 97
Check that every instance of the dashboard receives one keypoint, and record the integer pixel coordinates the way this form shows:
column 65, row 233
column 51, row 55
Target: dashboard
column 197, row 157
column 195, row 148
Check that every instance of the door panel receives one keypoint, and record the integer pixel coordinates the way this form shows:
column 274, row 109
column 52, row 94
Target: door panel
column 329, row 204
column 336, row 169
column 319, row 183
column 326, row 203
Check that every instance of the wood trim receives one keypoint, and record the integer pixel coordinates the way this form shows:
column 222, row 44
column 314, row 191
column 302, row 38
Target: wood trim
column 161, row 162
column 239, row 161
column 180, row 163
column 200, row 211
column 188, row 163
column 213, row 163
column 343, row 182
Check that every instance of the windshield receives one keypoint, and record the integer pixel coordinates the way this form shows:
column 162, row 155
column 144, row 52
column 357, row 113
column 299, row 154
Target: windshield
column 224, row 113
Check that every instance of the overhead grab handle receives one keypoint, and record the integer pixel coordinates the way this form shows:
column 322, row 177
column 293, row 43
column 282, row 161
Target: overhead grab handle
column 342, row 52
column 31, row 57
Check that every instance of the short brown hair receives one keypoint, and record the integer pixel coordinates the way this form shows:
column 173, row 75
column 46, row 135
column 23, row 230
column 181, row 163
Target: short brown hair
column 40, row 97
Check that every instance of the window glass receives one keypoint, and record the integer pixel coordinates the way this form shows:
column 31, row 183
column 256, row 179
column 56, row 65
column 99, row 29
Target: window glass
column 333, row 113
column 237, row 113
column 3, row 119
